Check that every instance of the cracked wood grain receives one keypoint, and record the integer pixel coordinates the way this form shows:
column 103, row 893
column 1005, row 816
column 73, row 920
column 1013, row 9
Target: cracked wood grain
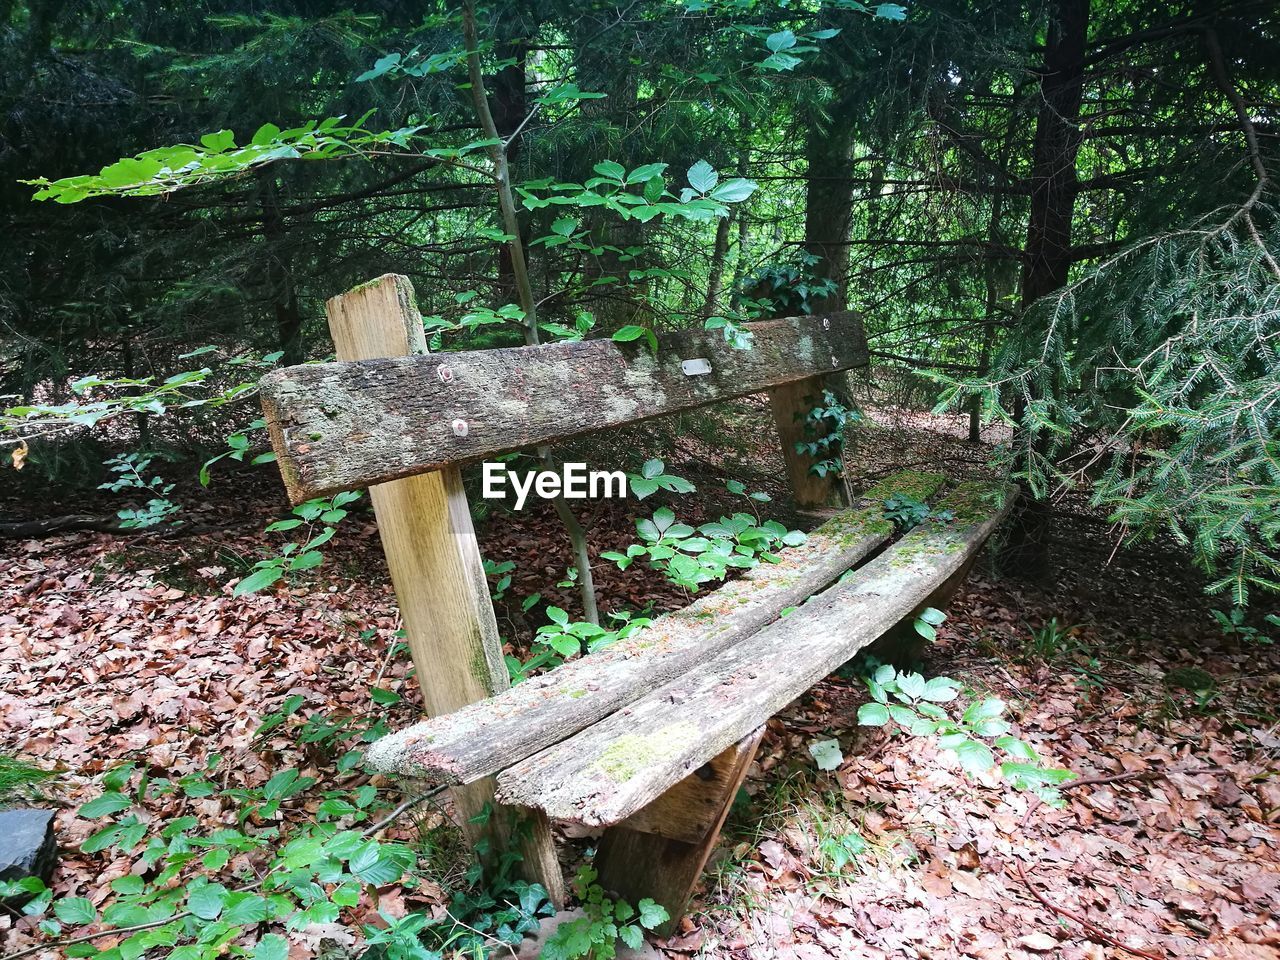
column 340, row 426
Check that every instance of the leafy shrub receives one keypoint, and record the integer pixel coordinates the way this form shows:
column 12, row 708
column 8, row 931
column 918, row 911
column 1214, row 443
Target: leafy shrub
column 914, row 706
column 692, row 557
column 596, row 935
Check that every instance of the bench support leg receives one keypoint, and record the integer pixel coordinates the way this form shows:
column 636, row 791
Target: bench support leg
column 425, row 525
column 659, row 851
column 791, row 403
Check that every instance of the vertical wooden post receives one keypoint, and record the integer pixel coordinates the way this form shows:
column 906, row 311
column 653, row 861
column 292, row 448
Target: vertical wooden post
column 791, row 403
column 438, row 574
column 660, row 850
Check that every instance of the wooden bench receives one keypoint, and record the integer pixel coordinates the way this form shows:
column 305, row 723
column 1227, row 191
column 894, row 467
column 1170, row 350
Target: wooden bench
column 652, row 736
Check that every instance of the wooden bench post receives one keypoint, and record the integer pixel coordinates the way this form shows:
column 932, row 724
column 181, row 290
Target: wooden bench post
column 791, row 404
column 436, row 568
column 660, row 850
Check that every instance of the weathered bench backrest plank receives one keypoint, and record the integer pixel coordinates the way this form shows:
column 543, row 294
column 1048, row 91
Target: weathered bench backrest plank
column 340, row 426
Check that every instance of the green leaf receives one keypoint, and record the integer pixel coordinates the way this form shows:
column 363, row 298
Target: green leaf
column 975, row 757
column 873, row 715
column 285, row 784
column 306, row 561
column 733, row 191
column 77, row 911
column 105, row 804
column 643, row 488
column 380, row 864
column 271, row 947
column 611, row 169
column 629, row 333
column 891, row 11
column 652, row 914
column 703, row 177
column 632, row 936
column 984, row 710
column 205, row 899
column 245, row 908
column 258, row 580
column 646, row 172
column 911, row 685
column 941, row 690
column 925, row 629
column 384, row 697
column 782, row 40
column 826, row 753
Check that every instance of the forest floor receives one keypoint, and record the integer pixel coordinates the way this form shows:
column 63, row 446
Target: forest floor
column 130, row 648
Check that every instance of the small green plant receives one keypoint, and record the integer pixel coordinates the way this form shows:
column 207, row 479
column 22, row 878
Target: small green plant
column 560, row 640
column 596, row 935
column 840, row 850
column 1054, row 638
column 1233, row 626
column 20, row 779
column 738, row 488
column 824, row 432
column 303, row 553
column 693, row 557
column 927, row 624
column 906, row 512
column 502, row 571
column 791, row 286
column 736, row 334
column 914, row 706
column 653, row 477
column 239, row 446
column 130, row 470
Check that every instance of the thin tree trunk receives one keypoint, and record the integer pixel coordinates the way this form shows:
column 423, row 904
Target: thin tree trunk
column 829, row 201
column 279, row 273
column 744, row 236
column 524, row 290
column 715, row 278
column 1048, row 260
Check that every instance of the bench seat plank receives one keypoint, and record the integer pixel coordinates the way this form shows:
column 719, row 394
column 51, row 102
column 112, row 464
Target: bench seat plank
column 612, row 769
column 485, row 737
column 341, row 426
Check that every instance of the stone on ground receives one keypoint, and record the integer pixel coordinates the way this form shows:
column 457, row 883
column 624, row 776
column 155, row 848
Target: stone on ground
column 27, row 845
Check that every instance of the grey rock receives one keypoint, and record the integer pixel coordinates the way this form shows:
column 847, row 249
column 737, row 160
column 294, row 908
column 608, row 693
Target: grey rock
column 27, row 844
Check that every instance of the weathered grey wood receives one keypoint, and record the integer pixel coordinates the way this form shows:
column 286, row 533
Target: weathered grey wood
column 635, row 862
column 483, row 738
column 437, row 571
column 340, row 426
column 613, row 768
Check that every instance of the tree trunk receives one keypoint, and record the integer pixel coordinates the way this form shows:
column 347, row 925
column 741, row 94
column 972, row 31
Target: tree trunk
column 829, row 201
column 279, row 273
column 510, row 107
column 715, row 278
column 1048, row 251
